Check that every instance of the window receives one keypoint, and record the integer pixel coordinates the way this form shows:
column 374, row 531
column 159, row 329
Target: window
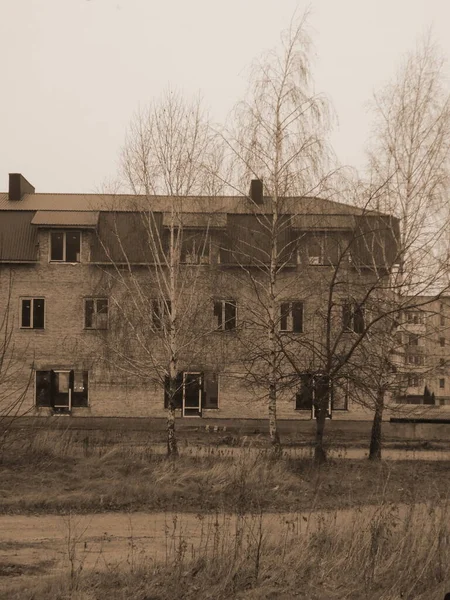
column 195, row 248
column 65, row 246
column 161, row 309
column 414, row 359
column 414, row 317
column 305, row 395
column 353, row 318
column 225, row 313
column 442, row 383
column 209, row 390
column 96, row 313
column 442, row 363
column 413, row 339
column 442, row 342
column 32, row 315
column 63, row 389
column 442, row 320
column 314, row 389
column 291, row 317
column 315, row 251
column 415, row 381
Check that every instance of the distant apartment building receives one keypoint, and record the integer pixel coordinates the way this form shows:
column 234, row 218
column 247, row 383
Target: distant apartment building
column 84, row 281
column 424, row 336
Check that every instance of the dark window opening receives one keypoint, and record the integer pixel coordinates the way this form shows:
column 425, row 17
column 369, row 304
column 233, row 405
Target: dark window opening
column 62, row 389
column 225, row 313
column 414, row 317
column 33, row 313
column 353, row 318
column 442, row 383
column 305, row 395
column 413, row 339
column 210, row 395
column 209, row 389
column 195, row 247
column 291, row 317
column 65, row 246
column 96, row 313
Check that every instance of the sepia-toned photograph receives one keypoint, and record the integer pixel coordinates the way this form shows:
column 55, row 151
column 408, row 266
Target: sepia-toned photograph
column 225, row 300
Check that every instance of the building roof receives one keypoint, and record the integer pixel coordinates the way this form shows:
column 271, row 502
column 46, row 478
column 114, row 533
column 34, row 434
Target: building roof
column 18, row 239
column 65, row 218
column 121, row 233
column 188, row 204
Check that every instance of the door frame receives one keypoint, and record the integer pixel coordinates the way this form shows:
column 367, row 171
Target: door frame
column 184, row 407
column 69, row 404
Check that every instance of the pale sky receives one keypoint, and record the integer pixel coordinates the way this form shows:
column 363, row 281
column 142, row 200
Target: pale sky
column 74, row 71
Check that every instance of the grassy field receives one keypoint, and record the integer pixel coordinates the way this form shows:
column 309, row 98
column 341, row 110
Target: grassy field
column 52, row 472
column 383, row 557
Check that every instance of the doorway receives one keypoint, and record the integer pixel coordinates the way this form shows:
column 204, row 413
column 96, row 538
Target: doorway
column 192, row 394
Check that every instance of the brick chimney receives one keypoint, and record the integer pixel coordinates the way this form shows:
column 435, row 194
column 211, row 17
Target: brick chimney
column 18, row 186
column 256, row 191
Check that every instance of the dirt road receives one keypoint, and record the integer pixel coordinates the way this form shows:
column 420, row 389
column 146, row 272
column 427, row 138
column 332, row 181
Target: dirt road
column 32, row 546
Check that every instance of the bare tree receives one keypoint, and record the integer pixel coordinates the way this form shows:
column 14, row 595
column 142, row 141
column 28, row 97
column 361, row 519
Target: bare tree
column 14, row 383
column 409, row 166
column 154, row 288
column 279, row 140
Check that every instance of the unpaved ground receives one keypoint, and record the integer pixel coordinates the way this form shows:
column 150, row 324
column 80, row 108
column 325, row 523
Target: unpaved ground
column 35, row 546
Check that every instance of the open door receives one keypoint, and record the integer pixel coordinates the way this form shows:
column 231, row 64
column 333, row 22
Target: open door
column 62, row 390
column 192, row 394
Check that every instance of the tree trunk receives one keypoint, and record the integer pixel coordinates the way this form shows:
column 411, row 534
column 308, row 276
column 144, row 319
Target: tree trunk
column 320, row 454
column 273, row 427
column 375, row 438
column 172, row 447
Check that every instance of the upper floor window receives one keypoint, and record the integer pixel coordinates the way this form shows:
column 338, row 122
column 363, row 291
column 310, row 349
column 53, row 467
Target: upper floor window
column 195, row 248
column 353, row 317
column 414, row 317
column 291, row 317
column 413, row 339
column 414, row 359
column 65, row 246
column 442, row 383
column 96, row 313
column 225, row 313
column 32, row 314
column 442, row 341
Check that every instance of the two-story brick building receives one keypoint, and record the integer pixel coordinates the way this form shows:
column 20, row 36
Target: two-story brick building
column 81, row 279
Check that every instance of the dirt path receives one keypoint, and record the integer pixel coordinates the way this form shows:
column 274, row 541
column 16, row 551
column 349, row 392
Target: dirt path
column 32, row 546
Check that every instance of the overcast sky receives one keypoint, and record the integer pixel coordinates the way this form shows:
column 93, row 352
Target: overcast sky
column 74, row 71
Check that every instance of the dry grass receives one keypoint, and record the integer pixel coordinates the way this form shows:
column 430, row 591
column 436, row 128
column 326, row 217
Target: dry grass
column 396, row 553
column 48, row 473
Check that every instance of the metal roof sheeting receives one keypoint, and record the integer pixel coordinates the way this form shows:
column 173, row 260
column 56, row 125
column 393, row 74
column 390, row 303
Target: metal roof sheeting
column 65, row 218
column 201, row 204
column 18, row 239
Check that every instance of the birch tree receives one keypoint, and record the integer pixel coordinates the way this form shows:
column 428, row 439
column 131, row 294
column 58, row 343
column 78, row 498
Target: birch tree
column 409, row 166
column 279, row 138
column 169, row 156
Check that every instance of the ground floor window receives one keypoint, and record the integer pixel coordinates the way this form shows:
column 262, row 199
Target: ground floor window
column 62, row 389
column 313, row 384
column 313, row 387
column 194, row 391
